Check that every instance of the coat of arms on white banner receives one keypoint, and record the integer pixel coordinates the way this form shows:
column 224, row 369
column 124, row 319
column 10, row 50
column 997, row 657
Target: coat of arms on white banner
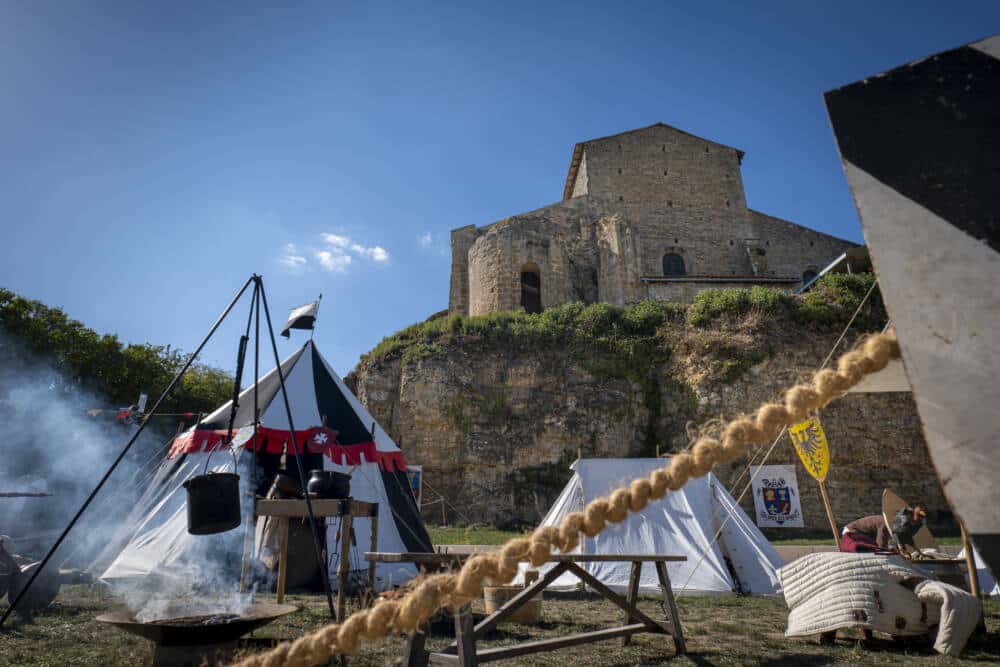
column 776, row 497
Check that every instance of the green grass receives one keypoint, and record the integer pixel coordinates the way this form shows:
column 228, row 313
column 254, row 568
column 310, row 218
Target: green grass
column 566, row 324
column 719, row 630
column 486, row 535
column 949, row 541
column 470, row 535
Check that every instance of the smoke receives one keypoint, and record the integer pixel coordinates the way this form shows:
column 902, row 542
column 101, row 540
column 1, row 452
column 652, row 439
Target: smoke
column 165, row 572
column 50, row 444
column 136, row 527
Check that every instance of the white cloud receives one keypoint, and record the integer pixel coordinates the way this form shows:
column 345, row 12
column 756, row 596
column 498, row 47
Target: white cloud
column 374, row 253
column 337, row 255
column 293, row 259
column 426, row 240
column 336, row 240
column 333, row 261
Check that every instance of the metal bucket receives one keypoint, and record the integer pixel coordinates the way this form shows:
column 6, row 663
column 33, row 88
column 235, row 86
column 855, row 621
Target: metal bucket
column 213, row 503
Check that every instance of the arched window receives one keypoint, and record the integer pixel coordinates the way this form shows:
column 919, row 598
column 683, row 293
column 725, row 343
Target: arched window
column 673, row 265
column 531, row 289
column 807, row 276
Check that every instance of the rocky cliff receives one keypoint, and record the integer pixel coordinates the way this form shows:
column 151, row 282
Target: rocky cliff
column 496, row 407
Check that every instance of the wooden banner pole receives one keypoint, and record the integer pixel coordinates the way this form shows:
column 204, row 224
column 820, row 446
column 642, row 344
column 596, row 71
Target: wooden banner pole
column 970, row 559
column 829, row 513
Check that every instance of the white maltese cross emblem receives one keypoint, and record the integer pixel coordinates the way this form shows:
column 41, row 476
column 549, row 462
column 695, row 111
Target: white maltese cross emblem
column 320, row 438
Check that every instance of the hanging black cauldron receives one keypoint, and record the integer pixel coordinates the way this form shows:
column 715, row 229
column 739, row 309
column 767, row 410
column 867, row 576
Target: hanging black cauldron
column 329, row 484
column 213, row 503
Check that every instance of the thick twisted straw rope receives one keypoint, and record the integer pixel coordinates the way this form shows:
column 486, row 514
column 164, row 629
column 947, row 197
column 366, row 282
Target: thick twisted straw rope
column 870, row 355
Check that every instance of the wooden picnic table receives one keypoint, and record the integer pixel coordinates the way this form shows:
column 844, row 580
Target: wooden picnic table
column 463, row 651
column 346, row 509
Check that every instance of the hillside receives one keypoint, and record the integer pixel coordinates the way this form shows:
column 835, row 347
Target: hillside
column 497, row 407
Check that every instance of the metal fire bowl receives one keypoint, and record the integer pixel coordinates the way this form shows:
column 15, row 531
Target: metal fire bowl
column 164, row 633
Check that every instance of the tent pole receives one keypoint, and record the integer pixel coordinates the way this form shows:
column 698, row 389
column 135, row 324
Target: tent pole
column 249, row 528
column 125, row 450
column 296, row 453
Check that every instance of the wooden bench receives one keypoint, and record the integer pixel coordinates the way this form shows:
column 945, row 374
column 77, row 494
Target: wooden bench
column 463, row 651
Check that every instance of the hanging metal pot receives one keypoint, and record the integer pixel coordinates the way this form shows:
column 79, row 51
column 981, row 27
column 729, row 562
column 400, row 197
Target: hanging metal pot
column 329, row 484
column 213, row 503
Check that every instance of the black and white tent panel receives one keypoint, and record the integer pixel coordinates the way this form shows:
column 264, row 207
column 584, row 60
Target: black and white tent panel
column 920, row 146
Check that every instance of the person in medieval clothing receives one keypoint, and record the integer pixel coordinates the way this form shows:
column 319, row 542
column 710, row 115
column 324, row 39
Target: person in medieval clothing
column 904, row 527
column 868, row 534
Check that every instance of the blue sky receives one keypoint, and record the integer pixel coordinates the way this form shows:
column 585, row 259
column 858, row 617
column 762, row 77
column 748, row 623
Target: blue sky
column 155, row 154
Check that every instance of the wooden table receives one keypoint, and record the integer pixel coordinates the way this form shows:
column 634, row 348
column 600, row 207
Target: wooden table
column 463, row 651
column 346, row 509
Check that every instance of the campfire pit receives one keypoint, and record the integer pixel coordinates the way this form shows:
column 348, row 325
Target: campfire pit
column 197, row 640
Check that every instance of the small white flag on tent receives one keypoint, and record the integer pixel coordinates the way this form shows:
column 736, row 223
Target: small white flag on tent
column 303, row 317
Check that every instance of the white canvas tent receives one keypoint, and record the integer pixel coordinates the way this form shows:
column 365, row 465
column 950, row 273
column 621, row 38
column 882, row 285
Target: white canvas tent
column 683, row 523
column 331, row 426
column 987, row 582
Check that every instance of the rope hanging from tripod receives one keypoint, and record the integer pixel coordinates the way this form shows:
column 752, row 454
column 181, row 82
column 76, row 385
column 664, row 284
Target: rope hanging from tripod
column 725, row 445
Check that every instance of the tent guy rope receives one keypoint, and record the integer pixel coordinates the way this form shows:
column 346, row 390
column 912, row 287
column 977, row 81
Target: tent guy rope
column 777, row 439
column 870, row 355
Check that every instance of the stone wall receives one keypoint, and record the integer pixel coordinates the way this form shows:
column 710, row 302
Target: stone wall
column 558, row 239
column 667, row 192
column 458, row 293
column 497, row 425
column 792, row 249
column 580, row 185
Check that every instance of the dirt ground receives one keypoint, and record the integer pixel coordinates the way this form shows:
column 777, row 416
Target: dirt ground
column 720, row 631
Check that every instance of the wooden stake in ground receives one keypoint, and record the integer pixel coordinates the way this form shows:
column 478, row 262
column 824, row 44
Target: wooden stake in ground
column 810, row 443
column 829, row 513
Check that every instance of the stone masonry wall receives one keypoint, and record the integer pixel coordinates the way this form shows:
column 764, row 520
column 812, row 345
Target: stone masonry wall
column 792, row 249
column 668, row 192
column 559, row 239
column 682, row 193
column 458, row 294
column 580, row 185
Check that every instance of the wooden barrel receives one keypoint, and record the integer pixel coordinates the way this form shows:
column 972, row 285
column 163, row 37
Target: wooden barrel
column 528, row 613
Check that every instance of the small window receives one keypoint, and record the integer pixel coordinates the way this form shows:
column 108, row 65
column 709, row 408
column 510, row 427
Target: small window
column 807, row 276
column 531, row 289
column 673, row 265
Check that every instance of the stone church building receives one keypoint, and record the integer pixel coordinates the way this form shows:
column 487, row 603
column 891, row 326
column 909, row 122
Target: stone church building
column 654, row 213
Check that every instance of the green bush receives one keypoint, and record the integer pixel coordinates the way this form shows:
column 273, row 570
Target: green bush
column 836, row 296
column 599, row 320
column 712, row 304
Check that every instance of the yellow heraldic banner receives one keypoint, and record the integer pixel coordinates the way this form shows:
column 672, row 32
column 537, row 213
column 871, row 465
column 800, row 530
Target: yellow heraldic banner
column 810, row 442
